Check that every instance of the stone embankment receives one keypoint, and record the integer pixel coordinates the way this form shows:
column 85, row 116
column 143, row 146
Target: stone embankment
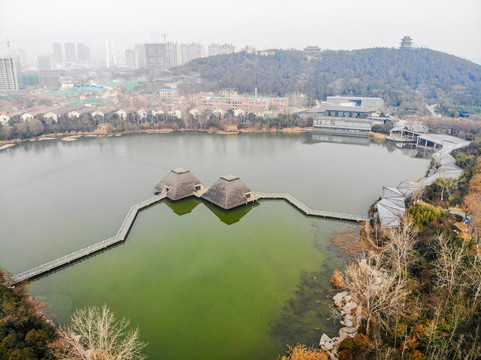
column 352, row 316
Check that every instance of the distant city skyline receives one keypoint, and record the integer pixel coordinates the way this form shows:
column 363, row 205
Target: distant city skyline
column 444, row 25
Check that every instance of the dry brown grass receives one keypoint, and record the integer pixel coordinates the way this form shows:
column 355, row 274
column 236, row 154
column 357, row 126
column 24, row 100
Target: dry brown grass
column 336, row 280
column 350, row 241
column 301, row 352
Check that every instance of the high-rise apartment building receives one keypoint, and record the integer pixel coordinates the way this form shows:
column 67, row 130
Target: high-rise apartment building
column 70, row 54
column 83, row 52
column 140, row 49
column 132, row 59
column 174, row 54
column 18, row 64
column 46, row 62
column 155, row 56
column 8, row 73
column 57, row 52
column 221, row 49
column 170, row 54
column 192, row 51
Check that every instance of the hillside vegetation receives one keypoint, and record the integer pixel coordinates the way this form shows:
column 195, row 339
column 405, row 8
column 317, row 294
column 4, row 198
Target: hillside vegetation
column 392, row 74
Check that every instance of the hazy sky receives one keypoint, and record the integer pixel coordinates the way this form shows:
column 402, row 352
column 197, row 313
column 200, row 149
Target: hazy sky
column 452, row 26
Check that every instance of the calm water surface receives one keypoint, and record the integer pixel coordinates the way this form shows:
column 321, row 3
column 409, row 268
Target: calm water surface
column 201, row 283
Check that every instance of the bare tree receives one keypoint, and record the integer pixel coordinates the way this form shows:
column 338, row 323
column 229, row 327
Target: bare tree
column 449, row 267
column 95, row 334
column 381, row 295
column 399, row 249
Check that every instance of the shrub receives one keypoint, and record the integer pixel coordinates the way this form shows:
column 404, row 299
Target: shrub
column 422, row 214
column 347, row 343
column 301, row 352
column 336, row 279
column 361, row 342
column 346, row 354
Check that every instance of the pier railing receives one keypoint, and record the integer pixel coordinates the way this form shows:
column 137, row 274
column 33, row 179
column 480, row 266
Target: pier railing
column 89, row 250
column 308, row 211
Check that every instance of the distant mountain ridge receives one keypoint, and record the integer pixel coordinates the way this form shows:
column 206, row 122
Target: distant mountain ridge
column 403, row 77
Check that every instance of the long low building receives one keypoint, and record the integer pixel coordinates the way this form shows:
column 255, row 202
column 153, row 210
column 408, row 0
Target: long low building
column 345, row 115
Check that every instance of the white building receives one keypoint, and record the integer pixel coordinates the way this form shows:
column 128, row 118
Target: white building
column 8, row 73
column 221, row 49
column 121, row 114
column 73, row 114
column 345, row 115
column 26, row 117
column 176, row 113
column 169, row 93
column 218, row 112
column 142, row 114
column 192, row 51
column 239, row 112
column 372, row 103
column 132, row 59
column 97, row 113
column 46, row 62
column 51, row 116
column 4, row 119
column 194, row 112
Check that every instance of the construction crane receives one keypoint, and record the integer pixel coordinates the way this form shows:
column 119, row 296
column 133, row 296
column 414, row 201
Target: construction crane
column 15, row 41
column 164, row 34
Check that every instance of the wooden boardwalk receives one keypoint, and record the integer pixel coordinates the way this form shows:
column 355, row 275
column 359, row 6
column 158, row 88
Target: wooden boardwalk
column 92, row 249
column 308, row 211
column 132, row 214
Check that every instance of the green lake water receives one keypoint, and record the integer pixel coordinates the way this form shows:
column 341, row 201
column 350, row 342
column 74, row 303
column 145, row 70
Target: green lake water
column 199, row 282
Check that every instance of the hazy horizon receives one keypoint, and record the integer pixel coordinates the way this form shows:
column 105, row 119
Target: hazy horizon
column 445, row 25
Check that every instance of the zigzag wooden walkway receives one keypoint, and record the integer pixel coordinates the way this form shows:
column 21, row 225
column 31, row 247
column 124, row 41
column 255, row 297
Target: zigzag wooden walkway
column 308, row 211
column 89, row 250
column 132, row 214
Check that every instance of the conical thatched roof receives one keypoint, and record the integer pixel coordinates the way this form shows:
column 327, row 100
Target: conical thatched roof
column 178, row 184
column 228, row 192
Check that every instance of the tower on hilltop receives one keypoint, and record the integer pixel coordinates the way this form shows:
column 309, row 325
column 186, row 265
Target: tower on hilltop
column 406, row 43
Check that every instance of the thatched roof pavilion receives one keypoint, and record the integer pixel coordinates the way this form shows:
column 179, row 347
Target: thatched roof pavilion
column 178, row 184
column 228, row 192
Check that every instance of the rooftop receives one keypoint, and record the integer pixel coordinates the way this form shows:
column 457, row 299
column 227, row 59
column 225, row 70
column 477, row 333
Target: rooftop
column 229, row 177
column 325, row 106
column 441, row 139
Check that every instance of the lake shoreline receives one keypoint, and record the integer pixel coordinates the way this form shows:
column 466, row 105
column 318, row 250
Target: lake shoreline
column 73, row 135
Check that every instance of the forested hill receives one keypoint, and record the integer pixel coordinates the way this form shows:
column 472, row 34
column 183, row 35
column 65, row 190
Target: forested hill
column 393, row 74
